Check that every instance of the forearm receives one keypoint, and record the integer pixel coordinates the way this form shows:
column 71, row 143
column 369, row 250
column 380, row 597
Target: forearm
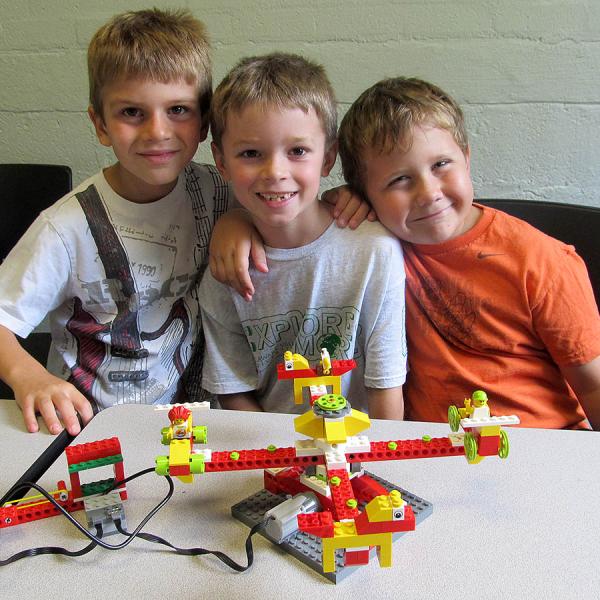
column 15, row 362
column 240, row 401
column 591, row 405
column 386, row 403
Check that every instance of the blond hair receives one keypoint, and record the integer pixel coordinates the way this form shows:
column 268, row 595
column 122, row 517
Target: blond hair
column 275, row 80
column 159, row 45
column 383, row 118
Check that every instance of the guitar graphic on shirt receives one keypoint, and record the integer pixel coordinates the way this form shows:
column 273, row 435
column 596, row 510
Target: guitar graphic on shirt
column 123, row 361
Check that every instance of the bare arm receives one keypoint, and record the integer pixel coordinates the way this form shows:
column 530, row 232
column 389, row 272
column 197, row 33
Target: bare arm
column 241, row 401
column 36, row 390
column 234, row 241
column 386, row 403
column 585, row 381
column 347, row 208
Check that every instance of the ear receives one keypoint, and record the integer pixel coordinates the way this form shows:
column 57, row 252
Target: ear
column 468, row 159
column 219, row 160
column 329, row 159
column 204, row 130
column 100, row 127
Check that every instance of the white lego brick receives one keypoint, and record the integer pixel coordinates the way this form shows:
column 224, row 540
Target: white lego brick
column 307, row 448
column 316, row 484
column 205, row 452
column 190, row 405
column 490, row 421
column 358, row 443
column 457, row 439
column 336, row 460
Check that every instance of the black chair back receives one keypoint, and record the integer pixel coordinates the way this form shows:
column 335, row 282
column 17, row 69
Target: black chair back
column 570, row 223
column 26, row 190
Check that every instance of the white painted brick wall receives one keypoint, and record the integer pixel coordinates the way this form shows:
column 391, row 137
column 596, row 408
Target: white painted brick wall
column 526, row 73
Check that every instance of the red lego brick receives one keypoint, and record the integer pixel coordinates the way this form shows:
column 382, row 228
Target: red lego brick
column 256, row 459
column 365, row 488
column 319, row 524
column 92, row 450
column 406, row 449
column 488, row 445
column 176, row 470
column 354, row 557
column 341, row 494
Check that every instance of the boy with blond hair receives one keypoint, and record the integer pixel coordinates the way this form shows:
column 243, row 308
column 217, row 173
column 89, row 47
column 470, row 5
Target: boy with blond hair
column 492, row 303
column 115, row 263
column 273, row 122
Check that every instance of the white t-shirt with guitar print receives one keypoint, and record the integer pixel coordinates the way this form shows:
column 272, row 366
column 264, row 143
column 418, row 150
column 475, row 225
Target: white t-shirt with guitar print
column 118, row 281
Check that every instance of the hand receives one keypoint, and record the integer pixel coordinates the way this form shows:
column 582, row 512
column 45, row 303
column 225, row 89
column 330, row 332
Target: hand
column 49, row 395
column 234, row 242
column 348, row 208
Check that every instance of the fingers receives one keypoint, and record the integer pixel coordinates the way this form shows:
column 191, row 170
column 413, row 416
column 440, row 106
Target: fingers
column 47, row 409
column 29, row 417
column 258, row 254
column 359, row 214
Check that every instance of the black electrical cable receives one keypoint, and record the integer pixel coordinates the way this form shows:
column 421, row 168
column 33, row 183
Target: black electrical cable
column 52, row 550
column 149, row 537
column 96, row 540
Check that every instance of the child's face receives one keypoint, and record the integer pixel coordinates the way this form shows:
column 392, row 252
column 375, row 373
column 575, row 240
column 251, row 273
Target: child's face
column 154, row 130
column 274, row 159
column 424, row 195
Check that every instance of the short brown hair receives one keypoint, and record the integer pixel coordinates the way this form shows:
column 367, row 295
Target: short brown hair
column 277, row 79
column 383, row 117
column 160, row 45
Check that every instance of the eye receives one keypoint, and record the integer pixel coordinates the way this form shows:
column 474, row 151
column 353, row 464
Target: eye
column 131, row 112
column 179, row 110
column 399, row 180
column 298, row 151
column 441, row 163
column 249, row 153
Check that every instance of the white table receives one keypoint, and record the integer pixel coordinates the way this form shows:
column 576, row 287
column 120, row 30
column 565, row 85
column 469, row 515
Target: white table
column 525, row 527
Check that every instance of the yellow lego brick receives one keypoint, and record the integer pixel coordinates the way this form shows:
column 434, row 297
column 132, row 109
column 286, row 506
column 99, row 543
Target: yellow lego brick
column 335, row 431
column 489, row 431
column 356, row 422
column 179, row 452
column 309, row 425
column 382, row 540
column 379, row 509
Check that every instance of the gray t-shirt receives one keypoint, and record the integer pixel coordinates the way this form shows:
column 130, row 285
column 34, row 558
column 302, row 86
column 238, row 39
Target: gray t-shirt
column 346, row 287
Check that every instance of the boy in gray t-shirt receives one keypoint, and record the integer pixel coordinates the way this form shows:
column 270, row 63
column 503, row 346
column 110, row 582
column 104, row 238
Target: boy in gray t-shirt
column 273, row 125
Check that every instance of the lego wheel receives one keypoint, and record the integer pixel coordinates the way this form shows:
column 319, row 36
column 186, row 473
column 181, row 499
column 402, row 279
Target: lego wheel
column 504, row 445
column 453, row 418
column 196, row 463
column 199, row 433
column 162, row 465
column 470, row 446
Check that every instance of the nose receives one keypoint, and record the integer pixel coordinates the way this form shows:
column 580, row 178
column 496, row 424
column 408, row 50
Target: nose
column 428, row 190
column 156, row 127
column 274, row 167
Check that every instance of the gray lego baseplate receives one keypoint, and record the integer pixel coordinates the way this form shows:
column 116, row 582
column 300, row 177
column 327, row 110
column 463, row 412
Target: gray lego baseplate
column 307, row 547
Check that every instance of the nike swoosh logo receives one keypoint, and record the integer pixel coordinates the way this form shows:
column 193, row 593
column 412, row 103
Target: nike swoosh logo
column 481, row 255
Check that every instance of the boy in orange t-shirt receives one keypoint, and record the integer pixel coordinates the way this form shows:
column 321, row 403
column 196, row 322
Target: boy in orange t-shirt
column 492, row 302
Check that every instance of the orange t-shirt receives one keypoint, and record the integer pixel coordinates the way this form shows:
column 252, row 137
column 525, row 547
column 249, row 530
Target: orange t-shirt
column 498, row 309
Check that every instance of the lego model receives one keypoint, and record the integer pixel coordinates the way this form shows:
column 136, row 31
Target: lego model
column 318, row 502
column 181, row 436
column 100, row 507
column 483, row 433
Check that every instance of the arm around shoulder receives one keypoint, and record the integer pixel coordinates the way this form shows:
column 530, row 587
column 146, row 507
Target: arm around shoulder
column 585, row 381
column 386, row 403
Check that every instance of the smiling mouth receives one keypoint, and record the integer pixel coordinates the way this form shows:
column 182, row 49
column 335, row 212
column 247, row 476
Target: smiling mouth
column 159, row 156
column 431, row 216
column 276, row 197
